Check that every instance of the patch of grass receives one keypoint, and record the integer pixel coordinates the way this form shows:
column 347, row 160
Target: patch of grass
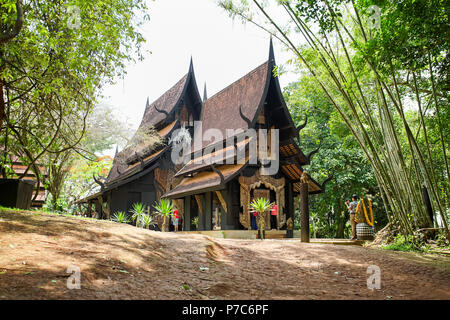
column 36, row 212
column 402, row 243
column 186, row 287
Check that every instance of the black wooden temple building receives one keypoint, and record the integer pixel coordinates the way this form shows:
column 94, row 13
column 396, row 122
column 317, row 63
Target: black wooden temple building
column 218, row 194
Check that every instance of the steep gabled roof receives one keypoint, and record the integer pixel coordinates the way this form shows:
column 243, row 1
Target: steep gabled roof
column 167, row 102
column 157, row 115
column 222, row 111
column 205, row 181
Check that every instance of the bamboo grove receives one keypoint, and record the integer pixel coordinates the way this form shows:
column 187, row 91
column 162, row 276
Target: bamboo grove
column 331, row 41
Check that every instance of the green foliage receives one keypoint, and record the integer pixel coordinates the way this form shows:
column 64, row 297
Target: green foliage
column 120, row 217
column 261, row 205
column 79, row 182
column 164, row 208
column 401, row 243
column 389, row 86
column 52, row 73
column 339, row 155
column 147, row 220
column 195, row 222
column 137, row 214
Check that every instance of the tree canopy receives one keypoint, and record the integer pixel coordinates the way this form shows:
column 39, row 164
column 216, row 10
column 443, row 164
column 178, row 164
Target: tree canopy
column 55, row 56
column 383, row 65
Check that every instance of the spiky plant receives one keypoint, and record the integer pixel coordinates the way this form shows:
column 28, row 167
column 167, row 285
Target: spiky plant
column 138, row 211
column 147, row 220
column 261, row 205
column 120, row 217
column 164, row 209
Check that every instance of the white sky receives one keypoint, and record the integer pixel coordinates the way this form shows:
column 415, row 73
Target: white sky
column 223, row 50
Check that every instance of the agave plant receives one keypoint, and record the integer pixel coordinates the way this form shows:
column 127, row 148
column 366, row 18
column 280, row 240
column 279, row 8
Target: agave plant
column 147, row 220
column 120, row 217
column 164, row 209
column 261, row 205
column 138, row 212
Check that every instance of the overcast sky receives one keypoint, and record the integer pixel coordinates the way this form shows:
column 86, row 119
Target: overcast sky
column 223, row 50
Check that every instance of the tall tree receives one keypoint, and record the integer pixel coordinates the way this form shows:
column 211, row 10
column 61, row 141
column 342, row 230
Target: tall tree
column 335, row 49
column 52, row 70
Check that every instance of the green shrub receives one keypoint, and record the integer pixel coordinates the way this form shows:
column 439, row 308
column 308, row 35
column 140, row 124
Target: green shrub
column 401, row 243
column 120, row 217
column 138, row 212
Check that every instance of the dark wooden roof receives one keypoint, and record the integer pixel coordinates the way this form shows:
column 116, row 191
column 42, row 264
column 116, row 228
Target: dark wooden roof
column 221, row 111
column 204, row 181
column 157, row 115
column 248, row 94
column 203, row 162
column 166, row 102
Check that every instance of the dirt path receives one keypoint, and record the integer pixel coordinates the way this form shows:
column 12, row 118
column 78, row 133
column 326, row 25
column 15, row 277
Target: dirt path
column 123, row 262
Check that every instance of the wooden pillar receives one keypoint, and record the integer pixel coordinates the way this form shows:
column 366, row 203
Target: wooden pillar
column 187, row 213
column 208, row 210
column 224, row 208
column 304, row 212
column 89, row 209
column 290, row 208
column 201, row 211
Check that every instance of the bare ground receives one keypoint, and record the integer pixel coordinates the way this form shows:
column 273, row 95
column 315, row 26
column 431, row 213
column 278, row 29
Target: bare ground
column 123, row 262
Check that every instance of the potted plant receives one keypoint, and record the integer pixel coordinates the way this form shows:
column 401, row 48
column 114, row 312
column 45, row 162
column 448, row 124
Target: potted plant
column 261, row 205
column 164, row 209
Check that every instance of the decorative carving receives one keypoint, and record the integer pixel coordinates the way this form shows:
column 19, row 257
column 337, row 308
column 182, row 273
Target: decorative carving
column 222, row 178
column 199, row 199
column 326, row 181
column 222, row 201
column 255, row 181
column 247, row 120
column 244, row 218
column 304, row 178
column 309, row 156
column 300, row 127
column 290, row 224
column 162, row 111
column 100, row 183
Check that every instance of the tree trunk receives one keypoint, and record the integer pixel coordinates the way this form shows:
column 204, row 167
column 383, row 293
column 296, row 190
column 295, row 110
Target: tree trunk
column 2, row 104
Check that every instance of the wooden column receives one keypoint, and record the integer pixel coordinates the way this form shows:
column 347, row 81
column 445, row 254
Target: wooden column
column 187, row 213
column 201, row 211
column 304, row 212
column 290, row 208
column 89, row 209
column 208, row 210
